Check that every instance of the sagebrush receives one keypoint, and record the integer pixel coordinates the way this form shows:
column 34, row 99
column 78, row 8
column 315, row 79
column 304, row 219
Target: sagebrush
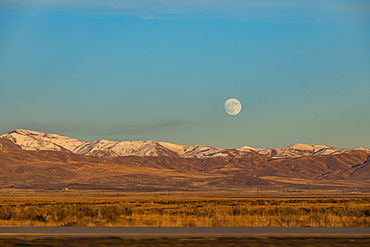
column 186, row 212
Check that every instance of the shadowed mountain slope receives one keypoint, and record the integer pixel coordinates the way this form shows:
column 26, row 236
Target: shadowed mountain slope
column 362, row 171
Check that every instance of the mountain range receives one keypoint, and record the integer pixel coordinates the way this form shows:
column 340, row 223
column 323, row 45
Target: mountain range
column 33, row 140
column 30, row 159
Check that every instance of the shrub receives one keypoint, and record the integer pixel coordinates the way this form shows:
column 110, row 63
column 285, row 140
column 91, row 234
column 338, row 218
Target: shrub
column 6, row 213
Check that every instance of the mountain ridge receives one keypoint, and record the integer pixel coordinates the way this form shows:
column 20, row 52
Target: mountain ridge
column 34, row 140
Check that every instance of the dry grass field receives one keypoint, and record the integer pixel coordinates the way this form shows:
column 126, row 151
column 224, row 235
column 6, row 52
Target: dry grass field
column 184, row 212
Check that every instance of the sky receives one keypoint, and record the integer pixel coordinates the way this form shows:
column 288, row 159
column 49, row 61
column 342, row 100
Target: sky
column 161, row 70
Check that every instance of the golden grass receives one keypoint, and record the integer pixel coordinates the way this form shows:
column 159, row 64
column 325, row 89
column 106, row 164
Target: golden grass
column 176, row 212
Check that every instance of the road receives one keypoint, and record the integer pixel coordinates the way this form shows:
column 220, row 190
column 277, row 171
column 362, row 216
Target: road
column 185, row 232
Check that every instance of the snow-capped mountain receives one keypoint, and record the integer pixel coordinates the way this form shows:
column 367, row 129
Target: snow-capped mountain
column 33, row 140
column 297, row 150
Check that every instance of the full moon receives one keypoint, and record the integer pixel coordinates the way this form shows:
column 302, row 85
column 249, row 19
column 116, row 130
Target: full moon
column 233, row 106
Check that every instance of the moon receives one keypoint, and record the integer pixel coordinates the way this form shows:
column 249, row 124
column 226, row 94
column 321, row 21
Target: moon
column 233, row 106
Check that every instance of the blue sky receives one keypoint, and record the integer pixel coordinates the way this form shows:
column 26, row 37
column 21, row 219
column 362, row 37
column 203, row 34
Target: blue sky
column 162, row 70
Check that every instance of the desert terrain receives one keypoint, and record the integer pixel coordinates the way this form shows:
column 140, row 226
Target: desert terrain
column 43, row 183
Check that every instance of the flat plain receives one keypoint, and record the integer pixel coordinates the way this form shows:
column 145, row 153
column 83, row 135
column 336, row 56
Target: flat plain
column 175, row 211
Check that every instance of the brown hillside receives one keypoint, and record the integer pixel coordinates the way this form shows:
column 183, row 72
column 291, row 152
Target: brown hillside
column 338, row 166
column 56, row 170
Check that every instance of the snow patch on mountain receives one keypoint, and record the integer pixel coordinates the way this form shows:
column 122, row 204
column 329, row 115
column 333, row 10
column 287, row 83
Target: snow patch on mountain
column 294, row 150
column 201, row 151
column 332, row 151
